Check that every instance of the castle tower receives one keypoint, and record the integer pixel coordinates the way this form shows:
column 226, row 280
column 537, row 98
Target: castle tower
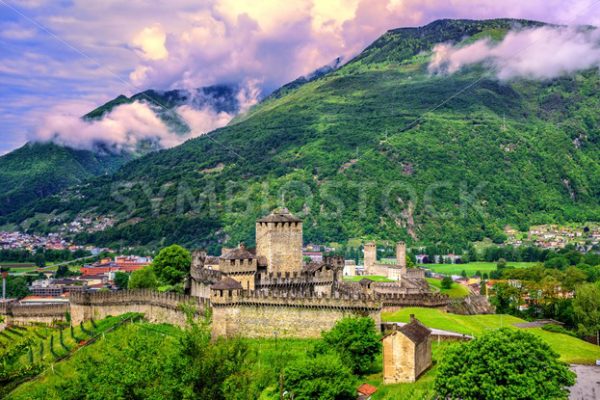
column 370, row 256
column 279, row 241
column 401, row 254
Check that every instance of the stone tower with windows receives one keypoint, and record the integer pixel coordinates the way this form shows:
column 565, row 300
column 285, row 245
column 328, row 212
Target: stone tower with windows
column 279, row 241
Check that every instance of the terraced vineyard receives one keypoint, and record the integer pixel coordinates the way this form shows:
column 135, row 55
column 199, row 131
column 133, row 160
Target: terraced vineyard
column 29, row 351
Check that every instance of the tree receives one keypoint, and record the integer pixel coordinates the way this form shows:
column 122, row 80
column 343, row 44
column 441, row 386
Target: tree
column 172, row 264
column 16, row 287
column 573, row 277
column 503, row 364
column 356, row 340
column 121, row 279
column 62, row 271
column 144, row 278
column 323, row 377
column 501, row 264
column 557, row 262
column 447, row 283
column 586, row 307
column 504, row 298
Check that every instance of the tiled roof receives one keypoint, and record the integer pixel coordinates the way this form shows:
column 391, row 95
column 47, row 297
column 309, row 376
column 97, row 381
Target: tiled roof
column 366, row 389
column 415, row 331
column 240, row 253
column 226, row 284
column 281, row 215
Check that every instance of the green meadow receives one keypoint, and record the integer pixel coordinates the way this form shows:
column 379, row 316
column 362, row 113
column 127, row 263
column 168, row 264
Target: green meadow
column 472, row 268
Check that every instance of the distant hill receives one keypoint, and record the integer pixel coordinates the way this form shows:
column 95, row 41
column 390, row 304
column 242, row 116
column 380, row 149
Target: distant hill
column 37, row 170
column 378, row 148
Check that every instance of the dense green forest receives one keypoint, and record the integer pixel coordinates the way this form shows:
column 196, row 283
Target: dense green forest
column 38, row 170
column 378, row 149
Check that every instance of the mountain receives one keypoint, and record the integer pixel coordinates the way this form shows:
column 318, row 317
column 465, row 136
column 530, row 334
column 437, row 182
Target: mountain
column 38, row 170
column 378, row 148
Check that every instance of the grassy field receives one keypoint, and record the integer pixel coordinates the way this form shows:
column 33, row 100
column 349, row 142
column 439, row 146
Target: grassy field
column 471, row 268
column 456, row 291
column 571, row 349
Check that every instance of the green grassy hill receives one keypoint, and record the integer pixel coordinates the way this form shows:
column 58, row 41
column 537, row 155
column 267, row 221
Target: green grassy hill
column 142, row 354
column 570, row 349
column 360, row 151
column 38, row 170
column 473, row 267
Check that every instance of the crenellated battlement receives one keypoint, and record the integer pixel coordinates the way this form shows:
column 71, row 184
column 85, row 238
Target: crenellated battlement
column 15, row 309
column 295, row 278
column 141, row 296
column 205, row 275
column 284, row 298
column 414, row 273
column 413, row 299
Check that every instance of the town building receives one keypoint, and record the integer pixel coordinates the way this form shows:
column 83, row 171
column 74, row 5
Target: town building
column 119, row 264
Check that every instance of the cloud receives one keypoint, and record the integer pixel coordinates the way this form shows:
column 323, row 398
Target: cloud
column 14, row 31
column 128, row 125
column 151, row 42
column 122, row 128
column 190, row 43
column 540, row 53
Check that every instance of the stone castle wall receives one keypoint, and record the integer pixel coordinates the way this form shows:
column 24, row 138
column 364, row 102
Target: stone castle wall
column 157, row 307
column 20, row 314
column 256, row 314
column 395, row 301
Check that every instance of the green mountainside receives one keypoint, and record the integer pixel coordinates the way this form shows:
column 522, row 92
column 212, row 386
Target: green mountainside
column 375, row 149
column 38, row 170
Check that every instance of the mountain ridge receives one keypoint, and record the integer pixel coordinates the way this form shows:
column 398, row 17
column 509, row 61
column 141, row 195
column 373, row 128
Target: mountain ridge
column 500, row 153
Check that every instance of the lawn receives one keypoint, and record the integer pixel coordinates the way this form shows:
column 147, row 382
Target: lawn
column 456, row 291
column 570, row 349
column 471, row 268
column 375, row 278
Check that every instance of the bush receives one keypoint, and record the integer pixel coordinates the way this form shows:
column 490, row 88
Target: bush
column 503, row 364
column 355, row 340
column 324, row 377
column 447, row 283
column 144, row 278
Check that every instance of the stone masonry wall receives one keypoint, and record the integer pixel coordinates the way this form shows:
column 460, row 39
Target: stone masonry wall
column 272, row 315
column 19, row 314
column 281, row 244
column 156, row 307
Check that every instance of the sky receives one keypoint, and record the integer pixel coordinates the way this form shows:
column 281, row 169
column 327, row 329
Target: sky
column 66, row 57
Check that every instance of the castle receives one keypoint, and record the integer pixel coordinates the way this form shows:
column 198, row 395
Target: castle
column 268, row 291
column 276, row 264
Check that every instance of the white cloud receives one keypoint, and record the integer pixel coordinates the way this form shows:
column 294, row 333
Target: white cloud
column 16, row 32
column 539, row 53
column 151, row 42
column 122, row 128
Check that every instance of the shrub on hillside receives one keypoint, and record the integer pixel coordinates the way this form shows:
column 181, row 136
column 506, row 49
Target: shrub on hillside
column 503, row 364
column 324, row 377
column 355, row 340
